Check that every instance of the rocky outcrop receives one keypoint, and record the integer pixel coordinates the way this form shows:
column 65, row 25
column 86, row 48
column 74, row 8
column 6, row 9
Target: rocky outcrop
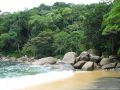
column 79, row 64
column 69, row 58
column 46, row 60
column 87, row 61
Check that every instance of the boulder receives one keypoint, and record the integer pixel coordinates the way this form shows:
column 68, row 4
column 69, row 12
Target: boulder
column 84, row 56
column 105, row 61
column 79, row 64
column 69, row 58
column 63, row 67
column 88, row 66
column 94, row 58
column 109, row 66
column 46, row 60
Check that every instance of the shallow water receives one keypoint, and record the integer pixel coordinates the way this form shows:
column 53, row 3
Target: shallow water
column 15, row 69
column 14, row 75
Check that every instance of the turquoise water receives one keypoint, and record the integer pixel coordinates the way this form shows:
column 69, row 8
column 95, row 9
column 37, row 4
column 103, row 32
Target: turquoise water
column 15, row 69
column 16, row 76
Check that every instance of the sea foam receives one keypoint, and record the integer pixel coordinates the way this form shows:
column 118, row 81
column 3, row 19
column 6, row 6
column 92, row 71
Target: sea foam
column 30, row 80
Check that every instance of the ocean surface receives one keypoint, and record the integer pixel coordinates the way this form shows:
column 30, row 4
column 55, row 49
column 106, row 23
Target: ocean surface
column 15, row 76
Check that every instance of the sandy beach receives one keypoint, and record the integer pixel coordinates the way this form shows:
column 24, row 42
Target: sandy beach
column 78, row 81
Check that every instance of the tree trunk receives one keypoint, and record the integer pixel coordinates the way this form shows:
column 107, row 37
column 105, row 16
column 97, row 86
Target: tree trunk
column 112, row 42
column 18, row 48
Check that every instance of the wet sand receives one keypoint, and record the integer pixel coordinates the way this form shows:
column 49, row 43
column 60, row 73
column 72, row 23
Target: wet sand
column 81, row 80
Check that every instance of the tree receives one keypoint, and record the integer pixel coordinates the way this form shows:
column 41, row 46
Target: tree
column 92, row 25
column 40, row 46
column 111, row 25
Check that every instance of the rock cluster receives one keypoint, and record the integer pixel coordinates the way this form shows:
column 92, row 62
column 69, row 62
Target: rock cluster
column 86, row 61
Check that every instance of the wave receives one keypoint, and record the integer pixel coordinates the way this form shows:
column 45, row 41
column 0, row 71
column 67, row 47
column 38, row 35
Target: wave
column 29, row 80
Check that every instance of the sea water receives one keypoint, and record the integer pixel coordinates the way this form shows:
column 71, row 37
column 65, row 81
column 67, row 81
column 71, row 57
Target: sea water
column 15, row 76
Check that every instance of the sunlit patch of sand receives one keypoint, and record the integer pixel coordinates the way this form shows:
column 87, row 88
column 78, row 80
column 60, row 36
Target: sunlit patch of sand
column 80, row 80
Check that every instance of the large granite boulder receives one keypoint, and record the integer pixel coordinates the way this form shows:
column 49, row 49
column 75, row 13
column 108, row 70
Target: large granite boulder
column 46, row 60
column 84, row 56
column 79, row 64
column 109, row 66
column 105, row 61
column 69, row 58
column 94, row 58
column 88, row 66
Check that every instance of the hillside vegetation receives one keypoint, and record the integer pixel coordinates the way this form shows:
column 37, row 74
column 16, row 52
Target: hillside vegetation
column 54, row 30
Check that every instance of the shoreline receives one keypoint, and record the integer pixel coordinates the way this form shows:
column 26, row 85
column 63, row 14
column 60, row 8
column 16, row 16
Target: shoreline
column 80, row 80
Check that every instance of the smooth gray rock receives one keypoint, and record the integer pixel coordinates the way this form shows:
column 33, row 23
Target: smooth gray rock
column 105, row 61
column 109, row 66
column 94, row 58
column 79, row 64
column 69, row 58
column 84, row 56
column 88, row 66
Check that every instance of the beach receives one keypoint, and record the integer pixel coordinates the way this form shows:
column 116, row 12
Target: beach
column 80, row 80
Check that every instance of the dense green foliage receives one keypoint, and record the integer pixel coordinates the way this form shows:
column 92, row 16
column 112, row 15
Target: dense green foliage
column 55, row 30
column 111, row 26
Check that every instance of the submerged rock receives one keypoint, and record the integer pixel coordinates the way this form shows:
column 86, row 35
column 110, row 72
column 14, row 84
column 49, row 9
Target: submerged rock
column 63, row 67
